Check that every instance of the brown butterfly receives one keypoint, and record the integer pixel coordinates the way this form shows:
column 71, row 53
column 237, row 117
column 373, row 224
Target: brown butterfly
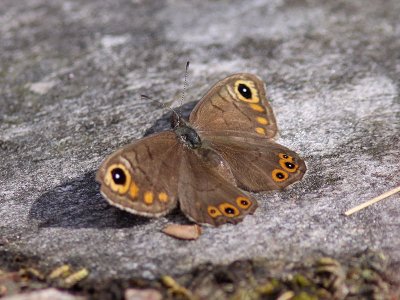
column 206, row 163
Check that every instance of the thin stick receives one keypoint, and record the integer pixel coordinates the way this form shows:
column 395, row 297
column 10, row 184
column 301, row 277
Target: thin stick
column 372, row 201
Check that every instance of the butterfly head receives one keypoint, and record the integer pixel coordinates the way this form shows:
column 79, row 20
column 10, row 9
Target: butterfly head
column 176, row 120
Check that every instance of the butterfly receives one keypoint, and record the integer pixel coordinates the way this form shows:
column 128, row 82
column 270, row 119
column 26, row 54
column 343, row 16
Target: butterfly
column 205, row 164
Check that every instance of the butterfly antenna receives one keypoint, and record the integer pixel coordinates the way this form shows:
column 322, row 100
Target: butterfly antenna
column 160, row 104
column 184, row 87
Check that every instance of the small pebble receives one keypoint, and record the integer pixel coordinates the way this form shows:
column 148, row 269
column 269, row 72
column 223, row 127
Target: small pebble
column 147, row 294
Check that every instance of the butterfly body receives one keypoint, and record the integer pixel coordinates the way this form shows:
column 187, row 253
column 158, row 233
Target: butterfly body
column 205, row 164
column 189, row 136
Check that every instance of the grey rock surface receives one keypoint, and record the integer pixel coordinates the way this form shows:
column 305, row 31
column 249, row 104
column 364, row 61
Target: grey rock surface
column 71, row 75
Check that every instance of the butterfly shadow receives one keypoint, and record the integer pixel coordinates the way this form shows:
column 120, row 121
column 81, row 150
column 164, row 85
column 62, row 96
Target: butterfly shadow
column 78, row 203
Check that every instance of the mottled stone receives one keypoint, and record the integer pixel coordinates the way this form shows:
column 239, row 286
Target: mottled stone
column 332, row 73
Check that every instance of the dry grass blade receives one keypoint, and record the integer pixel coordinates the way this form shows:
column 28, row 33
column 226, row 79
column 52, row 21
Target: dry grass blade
column 372, row 201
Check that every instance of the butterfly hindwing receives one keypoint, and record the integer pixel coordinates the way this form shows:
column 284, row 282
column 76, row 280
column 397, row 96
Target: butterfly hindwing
column 236, row 104
column 142, row 177
column 257, row 164
column 207, row 197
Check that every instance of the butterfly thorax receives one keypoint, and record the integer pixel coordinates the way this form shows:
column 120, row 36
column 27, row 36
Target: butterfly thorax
column 186, row 134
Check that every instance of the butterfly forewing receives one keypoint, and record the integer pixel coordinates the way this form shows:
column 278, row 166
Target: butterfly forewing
column 142, row 177
column 236, row 104
column 205, row 196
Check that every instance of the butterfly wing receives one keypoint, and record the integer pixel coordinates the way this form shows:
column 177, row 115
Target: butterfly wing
column 236, row 104
column 142, row 178
column 257, row 164
column 207, row 194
